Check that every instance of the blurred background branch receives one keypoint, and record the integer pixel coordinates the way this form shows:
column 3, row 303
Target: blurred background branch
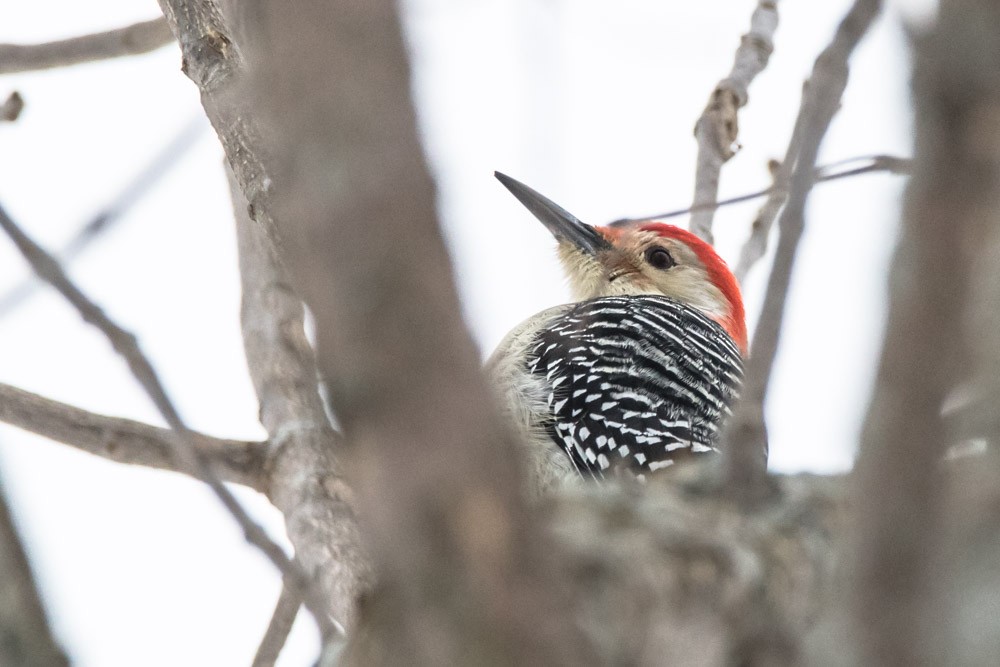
column 905, row 543
column 285, row 611
column 129, row 41
column 25, row 636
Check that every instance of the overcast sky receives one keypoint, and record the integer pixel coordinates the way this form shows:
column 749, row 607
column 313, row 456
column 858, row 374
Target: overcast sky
column 592, row 103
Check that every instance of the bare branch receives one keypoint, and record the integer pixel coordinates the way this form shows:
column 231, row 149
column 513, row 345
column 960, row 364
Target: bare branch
column 948, row 231
column 11, row 109
column 745, row 433
column 756, row 245
column 277, row 631
column 25, row 636
column 127, row 441
column 212, row 61
column 132, row 40
column 305, row 483
column 305, row 487
column 718, row 127
column 465, row 575
column 185, row 445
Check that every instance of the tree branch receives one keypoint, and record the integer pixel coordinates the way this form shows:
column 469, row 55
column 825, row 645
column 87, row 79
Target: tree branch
column 127, row 441
column 673, row 574
column 185, row 446
column 305, row 483
column 212, row 60
column 132, row 40
column 25, row 636
column 907, row 561
column 277, row 631
column 465, row 575
column 316, row 503
column 756, row 245
column 745, row 433
column 718, row 127
column 408, row 556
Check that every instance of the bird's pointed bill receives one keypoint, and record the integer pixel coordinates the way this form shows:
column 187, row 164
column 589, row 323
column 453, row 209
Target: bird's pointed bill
column 564, row 225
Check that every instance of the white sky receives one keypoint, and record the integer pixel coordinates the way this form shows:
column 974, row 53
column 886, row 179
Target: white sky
column 592, row 103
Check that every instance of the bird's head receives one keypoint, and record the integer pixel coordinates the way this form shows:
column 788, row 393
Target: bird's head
column 640, row 258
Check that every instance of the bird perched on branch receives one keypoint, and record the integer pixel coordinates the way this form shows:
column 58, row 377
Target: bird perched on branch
column 640, row 370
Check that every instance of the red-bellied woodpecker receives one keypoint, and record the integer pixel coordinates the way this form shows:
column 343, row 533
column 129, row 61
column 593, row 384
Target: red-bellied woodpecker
column 640, row 370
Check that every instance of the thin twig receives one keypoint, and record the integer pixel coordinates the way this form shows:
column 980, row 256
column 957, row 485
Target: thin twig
column 746, row 436
column 127, row 441
column 755, row 246
column 185, row 444
column 129, row 41
column 285, row 611
column 826, row 173
column 718, row 128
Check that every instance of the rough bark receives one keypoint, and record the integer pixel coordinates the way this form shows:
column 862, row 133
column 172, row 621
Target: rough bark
column 676, row 574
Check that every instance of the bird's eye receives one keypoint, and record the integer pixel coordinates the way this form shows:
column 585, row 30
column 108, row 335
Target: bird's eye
column 659, row 258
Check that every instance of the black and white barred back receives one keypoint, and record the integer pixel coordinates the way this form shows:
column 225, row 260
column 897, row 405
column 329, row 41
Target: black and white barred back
column 635, row 381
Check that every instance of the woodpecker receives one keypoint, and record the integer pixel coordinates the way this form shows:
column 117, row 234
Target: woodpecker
column 636, row 373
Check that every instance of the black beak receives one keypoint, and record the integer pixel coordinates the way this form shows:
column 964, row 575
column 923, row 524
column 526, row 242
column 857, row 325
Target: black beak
column 563, row 224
